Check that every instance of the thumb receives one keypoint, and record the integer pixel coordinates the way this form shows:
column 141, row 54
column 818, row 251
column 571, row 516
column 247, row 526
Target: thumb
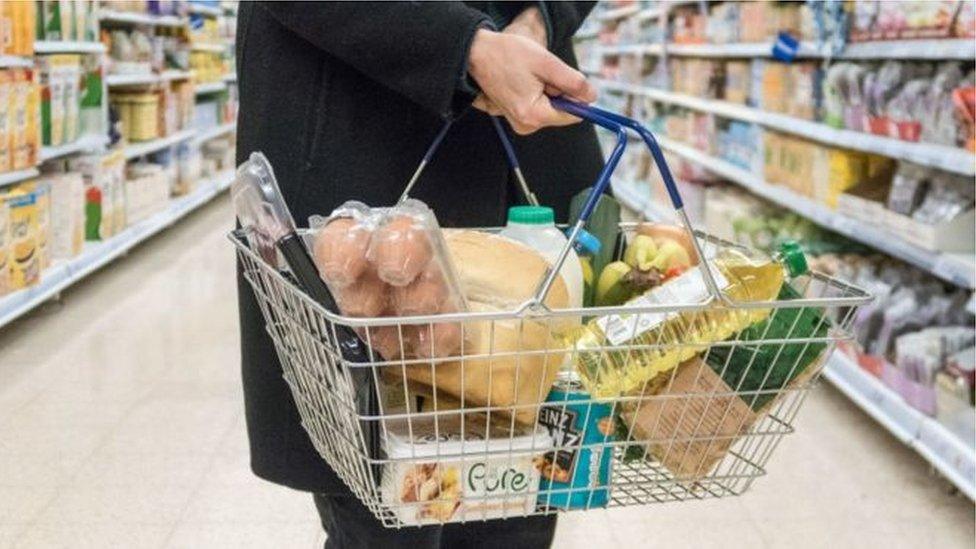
column 566, row 79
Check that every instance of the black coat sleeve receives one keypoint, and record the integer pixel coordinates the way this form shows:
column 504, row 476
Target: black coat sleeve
column 564, row 18
column 418, row 49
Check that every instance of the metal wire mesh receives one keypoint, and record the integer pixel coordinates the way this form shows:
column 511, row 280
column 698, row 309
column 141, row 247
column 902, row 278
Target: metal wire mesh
column 423, row 440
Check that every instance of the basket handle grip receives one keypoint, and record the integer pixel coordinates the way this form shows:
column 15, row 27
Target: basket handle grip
column 669, row 184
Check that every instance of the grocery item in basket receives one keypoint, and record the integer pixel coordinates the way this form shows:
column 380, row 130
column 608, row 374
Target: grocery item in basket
column 509, row 364
column 759, row 371
column 390, row 262
column 670, row 338
column 648, row 261
column 691, row 424
column 442, row 469
column 575, row 475
column 535, row 227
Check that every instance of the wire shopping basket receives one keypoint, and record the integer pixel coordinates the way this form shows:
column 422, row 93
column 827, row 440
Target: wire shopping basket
column 688, row 409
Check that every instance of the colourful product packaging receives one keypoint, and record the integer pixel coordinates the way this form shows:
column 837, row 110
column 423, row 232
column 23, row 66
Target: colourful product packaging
column 71, row 74
column 25, row 268
column 6, row 249
column 66, row 14
column 19, row 142
column 6, row 120
column 51, row 19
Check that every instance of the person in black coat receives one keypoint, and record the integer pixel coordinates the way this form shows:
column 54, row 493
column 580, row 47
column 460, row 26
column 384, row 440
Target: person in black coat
column 344, row 99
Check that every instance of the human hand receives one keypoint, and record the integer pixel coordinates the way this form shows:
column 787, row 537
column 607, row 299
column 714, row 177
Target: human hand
column 517, row 75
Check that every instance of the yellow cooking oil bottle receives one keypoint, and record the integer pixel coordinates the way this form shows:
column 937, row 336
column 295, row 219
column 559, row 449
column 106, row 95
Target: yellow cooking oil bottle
column 627, row 354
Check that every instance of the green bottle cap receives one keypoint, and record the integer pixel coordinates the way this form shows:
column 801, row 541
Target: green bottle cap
column 791, row 255
column 531, row 215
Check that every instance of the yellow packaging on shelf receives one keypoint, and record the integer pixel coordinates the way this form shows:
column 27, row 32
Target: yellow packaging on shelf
column 6, row 120
column 6, row 249
column 42, row 206
column 139, row 113
column 25, row 269
column 18, row 130
column 667, row 339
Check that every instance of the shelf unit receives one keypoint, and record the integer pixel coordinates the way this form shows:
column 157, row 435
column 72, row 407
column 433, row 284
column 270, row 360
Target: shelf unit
column 15, row 61
column 133, row 18
column 952, row 457
column 618, row 13
column 944, row 157
column 97, row 254
column 148, row 79
column 55, row 46
column 210, row 87
column 215, row 48
column 8, row 178
column 217, row 131
column 205, row 10
column 232, row 77
column 136, row 150
column 83, row 144
column 960, row 49
column 959, row 269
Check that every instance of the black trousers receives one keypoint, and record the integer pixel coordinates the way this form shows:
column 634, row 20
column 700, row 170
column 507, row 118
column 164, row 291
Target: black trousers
column 350, row 525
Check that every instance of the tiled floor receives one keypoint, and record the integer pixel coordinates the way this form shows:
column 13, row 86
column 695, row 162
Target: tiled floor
column 121, row 426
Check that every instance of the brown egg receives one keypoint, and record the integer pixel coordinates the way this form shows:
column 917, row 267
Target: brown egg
column 439, row 340
column 426, row 295
column 367, row 297
column 400, row 250
column 340, row 251
column 385, row 340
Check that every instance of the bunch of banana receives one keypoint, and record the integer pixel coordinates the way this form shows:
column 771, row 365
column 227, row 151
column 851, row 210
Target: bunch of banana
column 647, row 262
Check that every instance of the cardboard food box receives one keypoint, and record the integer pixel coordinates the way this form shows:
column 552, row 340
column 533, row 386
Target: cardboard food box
column 690, row 426
column 460, row 467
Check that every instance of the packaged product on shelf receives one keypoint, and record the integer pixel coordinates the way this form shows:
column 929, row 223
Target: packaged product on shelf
column 496, row 477
column 23, row 120
column 17, row 28
column 146, row 191
column 738, row 76
column 50, row 20
column 139, row 113
column 72, row 96
column 954, row 394
column 25, row 269
column 67, row 215
column 52, row 99
column 92, row 117
column 188, row 167
column 104, row 176
column 675, row 337
column 6, row 120
column 6, row 247
column 42, row 204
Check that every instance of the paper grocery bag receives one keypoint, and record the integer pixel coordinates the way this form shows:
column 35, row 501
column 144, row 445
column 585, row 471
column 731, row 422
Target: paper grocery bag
column 690, row 425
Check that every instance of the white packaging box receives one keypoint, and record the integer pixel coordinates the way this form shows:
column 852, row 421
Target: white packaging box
column 443, row 475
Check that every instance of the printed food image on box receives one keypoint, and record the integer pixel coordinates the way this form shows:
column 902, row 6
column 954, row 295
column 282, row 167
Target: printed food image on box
column 451, row 469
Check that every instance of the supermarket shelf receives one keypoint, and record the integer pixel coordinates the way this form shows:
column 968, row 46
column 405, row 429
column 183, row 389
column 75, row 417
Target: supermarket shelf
column 210, row 87
column 216, row 48
column 216, row 131
column 953, row 458
column 957, row 268
column 944, row 157
column 140, row 149
column 955, row 48
column 83, row 144
column 11, row 61
column 630, row 195
column 6, row 178
column 650, row 13
column 618, row 13
column 146, row 79
column 962, row 49
column 141, row 18
column 205, row 10
column 60, row 46
column 97, row 254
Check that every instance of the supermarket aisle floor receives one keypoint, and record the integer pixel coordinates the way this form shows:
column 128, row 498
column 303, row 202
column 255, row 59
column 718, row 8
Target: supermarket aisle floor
column 121, row 426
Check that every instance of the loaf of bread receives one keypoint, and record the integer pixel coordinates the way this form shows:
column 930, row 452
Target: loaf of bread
column 508, row 364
